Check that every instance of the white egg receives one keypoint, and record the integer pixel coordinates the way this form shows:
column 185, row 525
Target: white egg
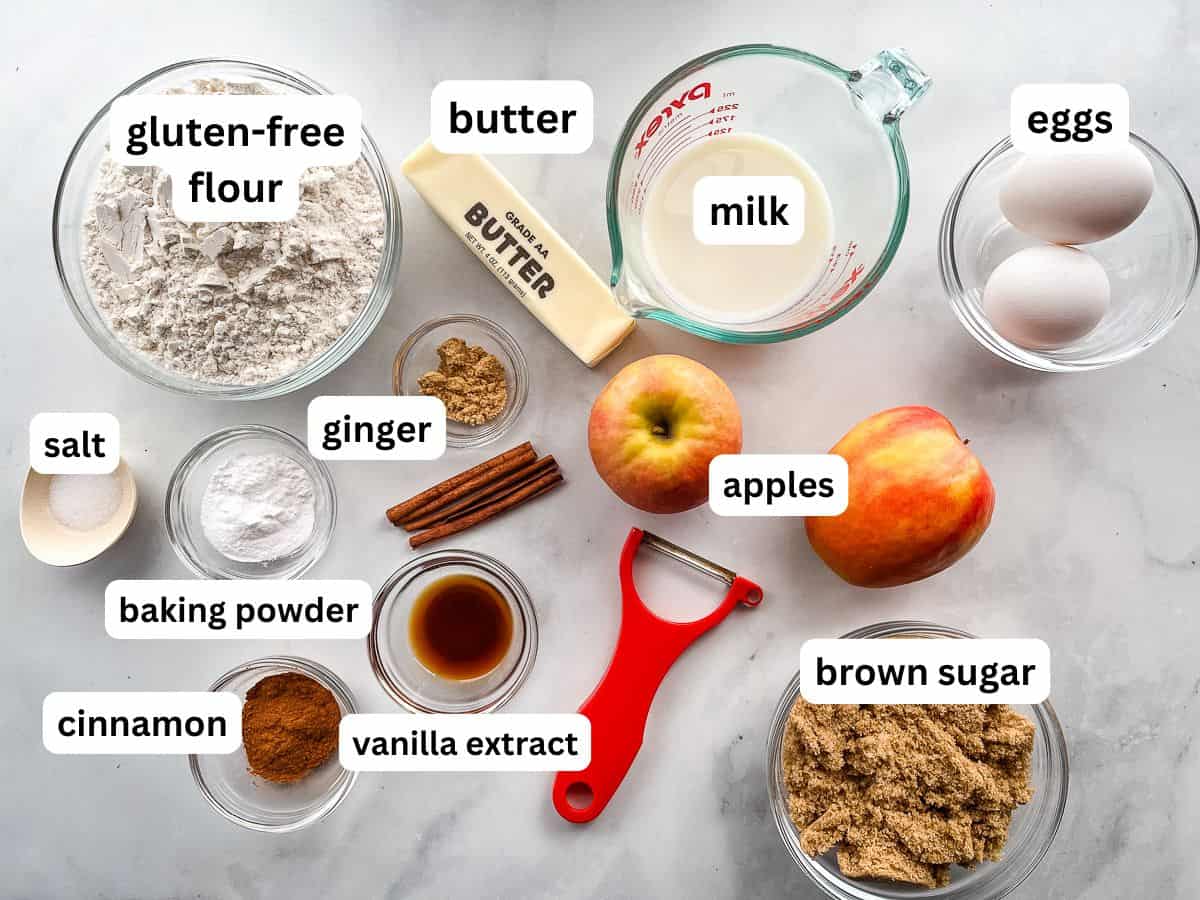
column 1046, row 297
column 1077, row 198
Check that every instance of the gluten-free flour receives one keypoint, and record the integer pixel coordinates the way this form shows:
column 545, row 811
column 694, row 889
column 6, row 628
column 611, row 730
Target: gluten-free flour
column 233, row 303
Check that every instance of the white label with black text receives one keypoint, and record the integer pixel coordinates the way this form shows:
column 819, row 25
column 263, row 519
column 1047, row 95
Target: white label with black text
column 511, row 116
column 376, row 428
column 74, row 443
column 502, row 742
column 235, row 157
column 1069, row 118
column 212, row 609
column 141, row 722
column 748, row 210
column 980, row 670
column 778, row 484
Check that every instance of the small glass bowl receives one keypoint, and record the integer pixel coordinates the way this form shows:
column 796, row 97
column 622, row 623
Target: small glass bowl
column 185, row 492
column 399, row 671
column 1033, row 827
column 418, row 355
column 258, row 804
column 1152, row 265
column 71, row 210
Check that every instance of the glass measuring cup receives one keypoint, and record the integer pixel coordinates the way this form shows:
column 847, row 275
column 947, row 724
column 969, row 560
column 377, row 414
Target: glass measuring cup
column 844, row 123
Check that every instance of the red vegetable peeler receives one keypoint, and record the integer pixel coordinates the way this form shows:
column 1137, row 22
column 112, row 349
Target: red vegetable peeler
column 646, row 648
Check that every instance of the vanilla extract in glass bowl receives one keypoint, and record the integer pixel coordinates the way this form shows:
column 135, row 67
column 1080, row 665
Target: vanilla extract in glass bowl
column 460, row 627
column 453, row 632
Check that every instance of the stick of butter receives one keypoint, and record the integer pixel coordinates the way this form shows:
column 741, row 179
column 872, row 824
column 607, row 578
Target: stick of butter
column 517, row 245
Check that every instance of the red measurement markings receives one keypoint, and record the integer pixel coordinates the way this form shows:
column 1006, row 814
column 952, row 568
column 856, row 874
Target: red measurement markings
column 848, row 283
column 651, row 175
column 637, row 190
column 664, row 152
column 837, row 273
column 674, row 143
column 678, row 126
column 673, row 105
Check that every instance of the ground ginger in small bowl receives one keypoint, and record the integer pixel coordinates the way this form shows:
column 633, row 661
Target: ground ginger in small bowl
column 474, row 367
column 471, row 382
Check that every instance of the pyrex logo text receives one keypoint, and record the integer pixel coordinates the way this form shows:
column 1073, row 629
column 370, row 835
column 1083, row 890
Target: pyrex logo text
column 699, row 92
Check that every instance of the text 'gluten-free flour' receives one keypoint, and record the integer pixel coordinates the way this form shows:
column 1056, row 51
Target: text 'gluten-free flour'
column 231, row 303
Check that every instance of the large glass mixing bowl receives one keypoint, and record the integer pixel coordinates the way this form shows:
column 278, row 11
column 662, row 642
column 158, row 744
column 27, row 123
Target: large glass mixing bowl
column 71, row 208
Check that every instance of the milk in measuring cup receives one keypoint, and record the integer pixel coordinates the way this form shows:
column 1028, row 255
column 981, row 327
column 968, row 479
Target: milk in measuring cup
column 736, row 283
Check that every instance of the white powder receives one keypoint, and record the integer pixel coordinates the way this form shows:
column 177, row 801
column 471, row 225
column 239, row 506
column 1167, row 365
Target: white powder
column 258, row 507
column 231, row 303
column 84, row 502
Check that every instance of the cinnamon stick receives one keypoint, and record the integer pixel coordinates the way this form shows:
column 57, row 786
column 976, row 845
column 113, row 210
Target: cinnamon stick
column 495, row 489
column 477, row 504
column 535, row 488
column 470, row 487
column 418, row 504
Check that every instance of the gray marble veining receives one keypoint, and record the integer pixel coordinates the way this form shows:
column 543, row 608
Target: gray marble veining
column 1094, row 546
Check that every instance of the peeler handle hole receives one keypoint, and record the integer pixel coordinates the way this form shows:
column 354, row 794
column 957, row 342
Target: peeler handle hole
column 580, row 795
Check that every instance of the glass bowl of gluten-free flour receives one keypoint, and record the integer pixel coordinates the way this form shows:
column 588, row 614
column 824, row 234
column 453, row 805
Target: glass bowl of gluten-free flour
column 237, row 311
column 804, row 753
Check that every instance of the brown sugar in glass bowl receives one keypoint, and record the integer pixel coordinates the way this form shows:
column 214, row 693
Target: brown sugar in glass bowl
column 903, row 792
column 1030, row 834
column 250, row 800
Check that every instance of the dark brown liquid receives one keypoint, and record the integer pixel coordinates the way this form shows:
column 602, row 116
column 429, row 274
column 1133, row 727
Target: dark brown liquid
column 460, row 627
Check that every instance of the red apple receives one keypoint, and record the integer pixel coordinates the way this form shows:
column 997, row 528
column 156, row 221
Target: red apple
column 919, row 500
column 655, row 428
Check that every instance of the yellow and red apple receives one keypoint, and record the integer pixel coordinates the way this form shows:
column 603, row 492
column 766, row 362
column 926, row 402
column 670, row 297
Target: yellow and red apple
column 655, row 428
column 919, row 500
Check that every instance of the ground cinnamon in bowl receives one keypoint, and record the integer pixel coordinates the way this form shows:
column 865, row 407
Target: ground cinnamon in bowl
column 289, row 726
column 905, row 792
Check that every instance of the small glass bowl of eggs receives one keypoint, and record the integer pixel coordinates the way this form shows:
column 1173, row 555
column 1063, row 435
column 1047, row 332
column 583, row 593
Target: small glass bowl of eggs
column 1069, row 263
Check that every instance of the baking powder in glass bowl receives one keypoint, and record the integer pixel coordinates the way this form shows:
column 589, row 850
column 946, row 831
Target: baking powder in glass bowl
column 258, row 507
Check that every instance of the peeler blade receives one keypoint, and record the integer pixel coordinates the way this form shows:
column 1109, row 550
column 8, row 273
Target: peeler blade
column 688, row 558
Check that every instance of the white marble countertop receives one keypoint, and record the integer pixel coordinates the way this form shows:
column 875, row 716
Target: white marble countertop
column 1094, row 546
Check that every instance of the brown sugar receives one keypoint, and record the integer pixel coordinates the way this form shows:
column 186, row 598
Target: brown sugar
column 905, row 792
column 469, row 380
column 289, row 726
